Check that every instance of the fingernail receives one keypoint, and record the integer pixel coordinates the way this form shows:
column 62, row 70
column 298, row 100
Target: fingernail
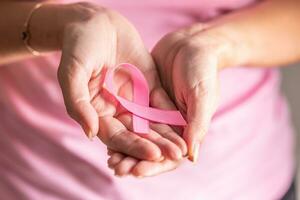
column 88, row 132
column 194, row 156
column 161, row 159
column 90, row 135
column 120, row 176
column 117, row 175
column 196, row 152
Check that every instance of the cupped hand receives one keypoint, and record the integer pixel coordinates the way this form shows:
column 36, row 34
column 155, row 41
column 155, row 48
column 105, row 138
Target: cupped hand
column 95, row 39
column 188, row 62
column 124, row 165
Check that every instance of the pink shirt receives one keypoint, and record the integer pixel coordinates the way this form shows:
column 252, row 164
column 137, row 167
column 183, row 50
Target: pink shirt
column 247, row 154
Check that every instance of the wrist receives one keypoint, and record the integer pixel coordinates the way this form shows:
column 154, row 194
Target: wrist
column 45, row 28
column 215, row 44
column 229, row 50
column 49, row 23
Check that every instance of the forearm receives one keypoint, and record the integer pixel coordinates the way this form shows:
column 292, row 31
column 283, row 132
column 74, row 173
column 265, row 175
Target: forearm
column 46, row 27
column 267, row 34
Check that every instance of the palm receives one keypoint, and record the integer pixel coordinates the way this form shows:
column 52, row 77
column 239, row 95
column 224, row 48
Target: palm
column 188, row 71
column 160, row 134
column 161, row 140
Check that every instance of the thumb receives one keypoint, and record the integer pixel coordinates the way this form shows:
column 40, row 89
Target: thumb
column 200, row 108
column 73, row 80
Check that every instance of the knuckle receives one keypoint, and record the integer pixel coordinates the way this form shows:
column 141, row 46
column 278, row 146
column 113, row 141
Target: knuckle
column 199, row 90
column 133, row 144
column 190, row 46
column 113, row 140
column 137, row 172
column 74, row 109
column 204, row 88
column 196, row 46
column 71, row 113
column 119, row 170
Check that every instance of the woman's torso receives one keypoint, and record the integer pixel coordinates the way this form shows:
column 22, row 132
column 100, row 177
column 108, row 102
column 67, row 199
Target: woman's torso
column 247, row 153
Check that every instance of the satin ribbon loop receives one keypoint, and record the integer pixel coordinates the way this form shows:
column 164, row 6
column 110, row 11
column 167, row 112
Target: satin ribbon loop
column 139, row 107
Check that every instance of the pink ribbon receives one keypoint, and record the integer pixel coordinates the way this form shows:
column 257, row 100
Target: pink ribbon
column 140, row 109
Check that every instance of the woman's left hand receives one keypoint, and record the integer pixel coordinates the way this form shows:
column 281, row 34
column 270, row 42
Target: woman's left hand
column 188, row 62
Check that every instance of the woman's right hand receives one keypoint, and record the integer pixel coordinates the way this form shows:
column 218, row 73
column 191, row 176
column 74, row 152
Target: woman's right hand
column 97, row 38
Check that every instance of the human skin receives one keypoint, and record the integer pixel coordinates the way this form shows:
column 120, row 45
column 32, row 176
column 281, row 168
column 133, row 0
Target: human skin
column 93, row 38
column 264, row 35
column 239, row 38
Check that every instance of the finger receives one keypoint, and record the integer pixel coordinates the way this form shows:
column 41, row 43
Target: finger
column 168, row 148
column 200, row 108
column 116, row 136
column 170, row 135
column 148, row 168
column 73, row 80
column 104, row 104
column 160, row 99
column 115, row 159
column 125, row 166
column 110, row 152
